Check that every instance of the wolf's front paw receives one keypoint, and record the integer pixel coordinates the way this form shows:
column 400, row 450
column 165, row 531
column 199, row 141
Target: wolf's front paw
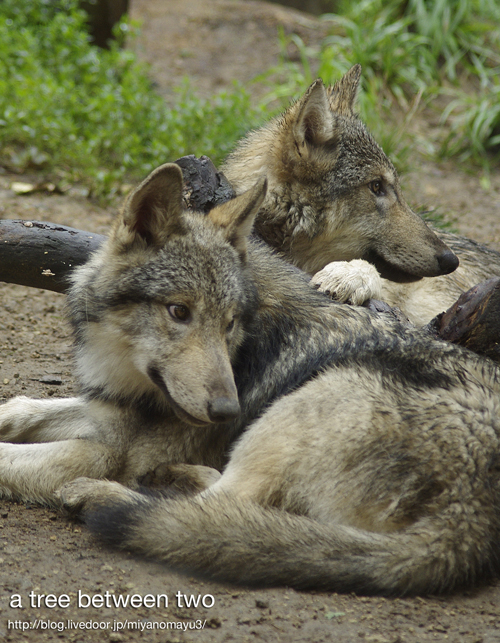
column 350, row 282
column 83, row 494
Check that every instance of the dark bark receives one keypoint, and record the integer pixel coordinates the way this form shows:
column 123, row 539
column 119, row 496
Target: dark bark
column 474, row 320
column 204, row 185
column 103, row 16
column 42, row 255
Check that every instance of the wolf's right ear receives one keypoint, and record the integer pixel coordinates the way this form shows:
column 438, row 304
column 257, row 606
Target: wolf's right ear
column 236, row 217
column 312, row 125
column 153, row 211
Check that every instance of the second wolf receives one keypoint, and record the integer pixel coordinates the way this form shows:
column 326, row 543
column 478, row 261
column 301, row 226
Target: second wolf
column 334, row 196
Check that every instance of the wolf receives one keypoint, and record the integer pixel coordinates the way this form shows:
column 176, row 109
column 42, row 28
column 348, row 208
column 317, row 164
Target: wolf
column 158, row 314
column 365, row 456
column 335, row 209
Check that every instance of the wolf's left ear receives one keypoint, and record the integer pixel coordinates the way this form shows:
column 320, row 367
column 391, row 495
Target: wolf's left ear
column 312, row 125
column 342, row 96
column 153, row 212
column 236, row 217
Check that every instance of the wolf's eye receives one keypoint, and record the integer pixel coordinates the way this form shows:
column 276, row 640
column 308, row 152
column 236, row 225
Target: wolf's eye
column 179, row 312
column 377, row 187
column 230, row 326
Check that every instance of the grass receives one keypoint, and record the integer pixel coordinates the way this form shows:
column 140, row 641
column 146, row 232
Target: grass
column 415, row 49
column 84, row 114
column 91, row 115
column 439, row 219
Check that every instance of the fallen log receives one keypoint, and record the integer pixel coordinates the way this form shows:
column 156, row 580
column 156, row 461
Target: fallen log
column 474, row 320
column 42, row 255
column 204, row 186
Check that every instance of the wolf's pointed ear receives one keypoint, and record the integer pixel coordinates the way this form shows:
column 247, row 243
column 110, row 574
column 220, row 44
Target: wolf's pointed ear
column 313, row 122
column 153, row 211
column 342, row 96
column 236, row 217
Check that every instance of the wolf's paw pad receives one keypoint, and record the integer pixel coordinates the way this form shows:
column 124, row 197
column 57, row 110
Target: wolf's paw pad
column 350, row 282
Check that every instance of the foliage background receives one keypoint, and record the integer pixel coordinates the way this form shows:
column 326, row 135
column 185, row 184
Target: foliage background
column 80, row 113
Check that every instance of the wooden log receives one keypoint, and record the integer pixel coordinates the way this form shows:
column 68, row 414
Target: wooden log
column 474, row 320
column 42, row 255
column 204, row 186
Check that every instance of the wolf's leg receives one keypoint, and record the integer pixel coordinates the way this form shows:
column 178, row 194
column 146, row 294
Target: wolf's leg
column 181, row 478
column 23, row 419
column 350, row 282
column 35, row 471
column 83, row 494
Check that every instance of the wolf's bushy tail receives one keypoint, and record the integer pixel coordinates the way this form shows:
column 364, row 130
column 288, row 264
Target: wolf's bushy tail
column 244, row 543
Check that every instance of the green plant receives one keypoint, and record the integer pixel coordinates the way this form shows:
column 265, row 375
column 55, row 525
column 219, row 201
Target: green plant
column 390, row 54
column 375, row 105
column 458, row 32
column 85, row 114
column 474, row 128
column 92, row 115
column 438, row 219
column 408, row 49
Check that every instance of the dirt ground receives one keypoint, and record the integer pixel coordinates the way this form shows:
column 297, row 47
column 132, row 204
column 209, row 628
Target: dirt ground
column 44, row 553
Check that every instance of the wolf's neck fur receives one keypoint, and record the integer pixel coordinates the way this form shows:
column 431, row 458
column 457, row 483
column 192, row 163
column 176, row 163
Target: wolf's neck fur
column 250, row 160
column 286, row 217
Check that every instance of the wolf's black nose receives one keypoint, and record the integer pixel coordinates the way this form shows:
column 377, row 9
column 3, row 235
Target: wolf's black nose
column 448, row 262
column 223, row 409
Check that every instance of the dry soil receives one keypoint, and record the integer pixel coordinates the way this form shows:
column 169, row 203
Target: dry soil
column 44, row 553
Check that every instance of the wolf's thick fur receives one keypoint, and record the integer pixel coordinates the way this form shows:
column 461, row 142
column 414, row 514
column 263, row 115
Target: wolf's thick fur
column 379, row 475
column 375, row 468
column 334, row 196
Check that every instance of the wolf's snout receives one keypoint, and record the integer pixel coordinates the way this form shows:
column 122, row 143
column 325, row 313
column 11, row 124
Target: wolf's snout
column 448, row 262
column 223, row 409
